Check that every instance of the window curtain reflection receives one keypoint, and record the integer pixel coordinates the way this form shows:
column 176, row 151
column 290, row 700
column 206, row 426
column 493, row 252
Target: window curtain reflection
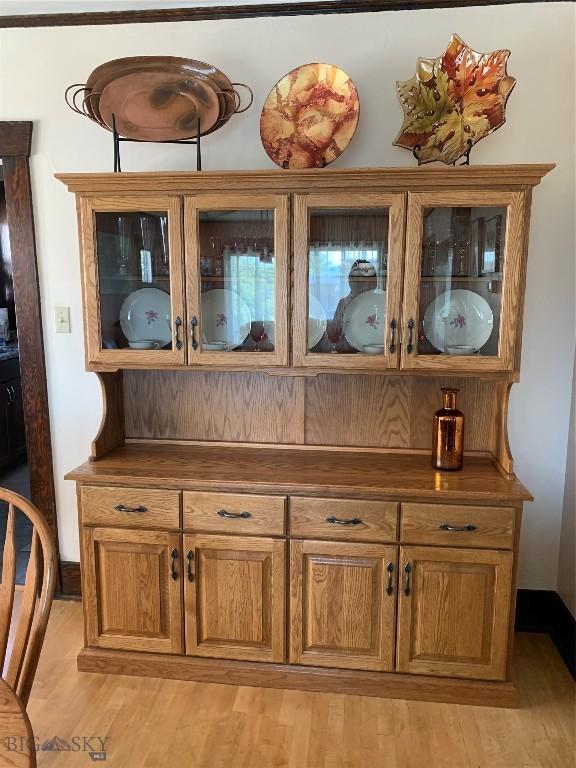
column 331, row 264
column 251, row 271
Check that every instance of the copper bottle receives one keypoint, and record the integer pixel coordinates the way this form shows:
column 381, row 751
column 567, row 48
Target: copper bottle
column 448, row 433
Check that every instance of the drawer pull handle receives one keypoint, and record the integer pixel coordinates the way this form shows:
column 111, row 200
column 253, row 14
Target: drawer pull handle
column 190, row 558
column 123, row 508
column 338, row 521
column 390, row 586
column 407, row 571
column 462, row 528
column 243, row 515
column 173, row 558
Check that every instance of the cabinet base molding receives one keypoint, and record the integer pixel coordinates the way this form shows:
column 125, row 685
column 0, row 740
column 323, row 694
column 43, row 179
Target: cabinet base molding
column 265, row 675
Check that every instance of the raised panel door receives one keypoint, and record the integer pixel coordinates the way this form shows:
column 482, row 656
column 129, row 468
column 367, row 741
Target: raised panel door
column 235, row 597
column 463, row 280
column 132, row 589
column 454, row 612
column 342, row 604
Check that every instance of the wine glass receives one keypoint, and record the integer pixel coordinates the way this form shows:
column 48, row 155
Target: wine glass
column 164, row 237
column 334, row 334
column 258, row 334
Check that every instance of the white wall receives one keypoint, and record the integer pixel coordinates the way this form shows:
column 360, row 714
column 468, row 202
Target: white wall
column 376, row 50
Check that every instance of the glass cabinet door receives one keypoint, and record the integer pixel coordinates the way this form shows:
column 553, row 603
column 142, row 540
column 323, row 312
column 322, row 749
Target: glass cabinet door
column 347, row 275
column 461, row 283
column 237, row 279
column 133, row 281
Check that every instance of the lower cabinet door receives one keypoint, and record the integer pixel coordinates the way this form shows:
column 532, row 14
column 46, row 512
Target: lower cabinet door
column 132, row 589
column 342, row 604
column 454, row 612
column 234, row 597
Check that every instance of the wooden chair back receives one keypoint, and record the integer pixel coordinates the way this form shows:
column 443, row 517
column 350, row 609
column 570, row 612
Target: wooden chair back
column 30, row 625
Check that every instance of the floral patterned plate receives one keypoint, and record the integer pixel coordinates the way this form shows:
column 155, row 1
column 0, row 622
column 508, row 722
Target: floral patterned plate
column 225, row 317
column 309, row 117
column 145, row 318
column 453, row 101
column 365, row 320
column 458, row 322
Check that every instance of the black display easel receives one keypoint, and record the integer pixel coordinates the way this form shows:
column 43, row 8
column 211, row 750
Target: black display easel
column 117, row 139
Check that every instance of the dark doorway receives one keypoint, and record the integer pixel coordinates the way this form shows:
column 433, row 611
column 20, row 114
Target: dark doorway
column 26, row 465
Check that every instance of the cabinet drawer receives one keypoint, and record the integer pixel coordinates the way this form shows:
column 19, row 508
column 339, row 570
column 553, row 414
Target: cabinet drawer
column 130, row 507
column 234, row 513
column 487, row 527
column 343, row 519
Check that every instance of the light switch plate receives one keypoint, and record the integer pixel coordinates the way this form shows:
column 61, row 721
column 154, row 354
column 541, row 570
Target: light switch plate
column 62, row 319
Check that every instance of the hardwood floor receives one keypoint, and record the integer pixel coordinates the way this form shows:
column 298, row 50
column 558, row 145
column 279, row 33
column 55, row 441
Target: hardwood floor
column 149, row 722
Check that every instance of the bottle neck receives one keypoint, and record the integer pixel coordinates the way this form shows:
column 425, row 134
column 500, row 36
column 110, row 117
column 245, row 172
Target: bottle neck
column 450, row 400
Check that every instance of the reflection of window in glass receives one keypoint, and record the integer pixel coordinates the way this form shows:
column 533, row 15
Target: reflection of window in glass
column 332, row 278
column 252, row 274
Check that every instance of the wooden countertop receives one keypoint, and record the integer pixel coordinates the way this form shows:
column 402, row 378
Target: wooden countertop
column 298, row 472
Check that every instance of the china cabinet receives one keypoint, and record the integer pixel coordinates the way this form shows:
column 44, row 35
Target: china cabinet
column 260, row 506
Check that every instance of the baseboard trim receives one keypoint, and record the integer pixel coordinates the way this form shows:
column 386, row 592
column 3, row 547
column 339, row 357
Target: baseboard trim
column 387, row 685
column 541, row 610
column 70, row 582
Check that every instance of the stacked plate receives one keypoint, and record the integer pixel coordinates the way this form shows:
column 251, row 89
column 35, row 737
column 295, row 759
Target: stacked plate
column 157, row 98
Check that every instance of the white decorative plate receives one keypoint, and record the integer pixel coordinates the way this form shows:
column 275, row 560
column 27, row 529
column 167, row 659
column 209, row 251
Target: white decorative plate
column 145, row 315
column 458, row 318
column 365, row 320
column 316, row 321
column 225, row 317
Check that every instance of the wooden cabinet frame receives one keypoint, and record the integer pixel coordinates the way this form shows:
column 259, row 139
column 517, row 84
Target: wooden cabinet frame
column 395, row 203
column 222, row 202
column 89, row 206
column 512, row 286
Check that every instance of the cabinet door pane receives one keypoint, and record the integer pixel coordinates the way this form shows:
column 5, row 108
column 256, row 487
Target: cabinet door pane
column 237, row 279
column 348, row 266
column 133, row 280
column 462, row 269
column 463, row 280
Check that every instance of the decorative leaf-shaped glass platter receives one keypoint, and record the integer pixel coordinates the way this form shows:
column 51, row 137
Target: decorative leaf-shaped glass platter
column 453, row 101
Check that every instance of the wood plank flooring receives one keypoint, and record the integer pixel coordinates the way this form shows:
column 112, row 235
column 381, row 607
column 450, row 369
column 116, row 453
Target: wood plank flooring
column 150, row 723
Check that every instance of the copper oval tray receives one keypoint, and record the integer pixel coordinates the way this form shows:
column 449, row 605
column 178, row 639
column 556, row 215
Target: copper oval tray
column 103, row 75
column 156, row 106
column 309, row 117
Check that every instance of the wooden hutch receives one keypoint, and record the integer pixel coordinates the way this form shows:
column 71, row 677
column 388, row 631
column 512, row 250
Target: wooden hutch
column 259, row 507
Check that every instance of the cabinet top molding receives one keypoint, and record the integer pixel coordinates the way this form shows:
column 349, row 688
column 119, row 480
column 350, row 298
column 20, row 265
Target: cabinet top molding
column 502, row 177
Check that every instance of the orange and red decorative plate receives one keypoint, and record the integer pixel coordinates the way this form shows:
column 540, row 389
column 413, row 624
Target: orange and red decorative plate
column 309, row 117
column 453, row 101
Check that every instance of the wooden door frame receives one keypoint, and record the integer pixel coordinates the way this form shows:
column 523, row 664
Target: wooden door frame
column 15, row 144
